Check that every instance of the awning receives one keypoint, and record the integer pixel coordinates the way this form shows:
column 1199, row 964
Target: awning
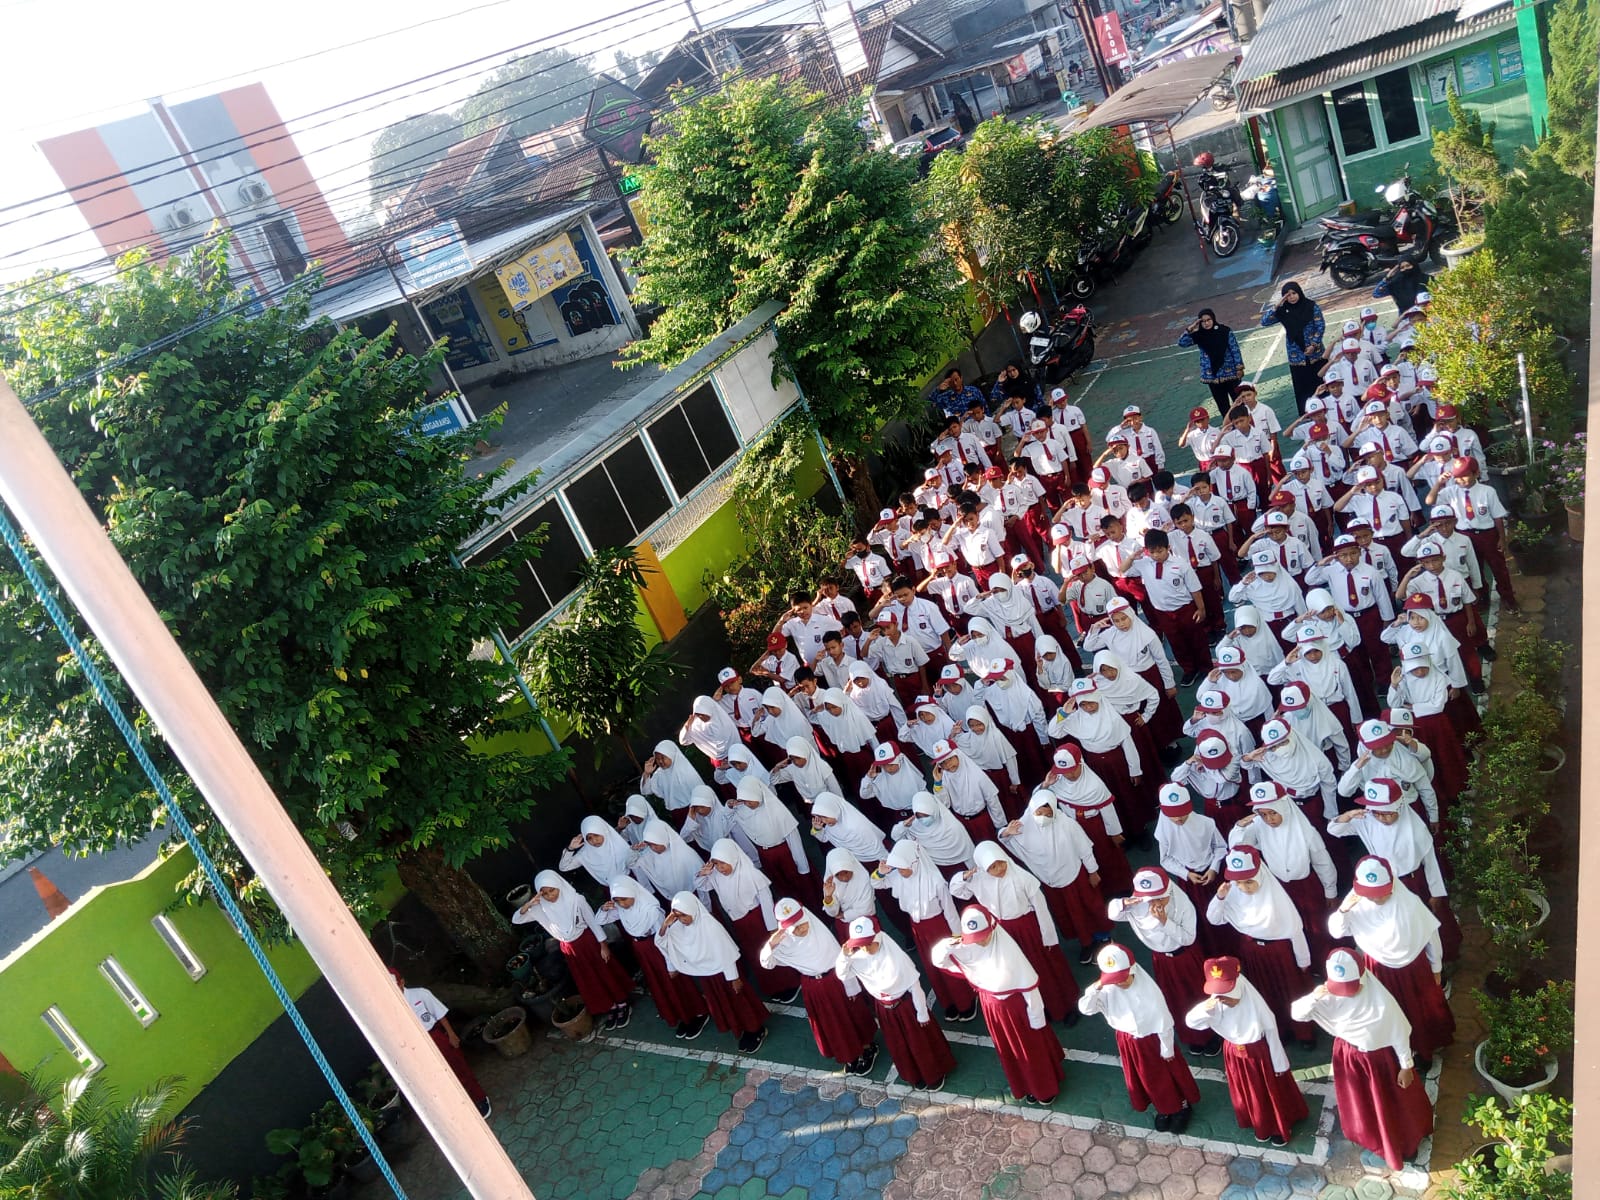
column 1161, row 96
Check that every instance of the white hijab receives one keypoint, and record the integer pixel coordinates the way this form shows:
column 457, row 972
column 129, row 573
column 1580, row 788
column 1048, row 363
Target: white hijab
column 1261, row 649
column 997, row 966
column 1248, row 695
column 894, row 791
column 1268, row 915
column 989, row 750
column 714, row 734
column 743, row 765
column 637, row 806
column 1369, row 1020
column 985, row 640
column 887, row 975
column 853, row 896
column 924, row 735
column 815, row 776
column 568, row 915
column 790, row 721
column 746, row 888
column 673, row 870
column 1011, row 604
column 1052, row 845
column 1103, row 730
column 676, row 781
column 924, row 892
column 1287, row 848
column 1295, row 762
column 1053, row 676
column 1404, row 844
column 706, row 831
column 608, row 860
column 1426, row 696
column 641, row 919
column 701, row 949
column 966, row 789
column 870, row 692
column 768, row 824
column 1246, row 1022
column 936, row 828
column 1439, row 642
column 1324, row 677
column 1011, row 701
column 1130, row 644
column 814, row 953
column 850, row 730
column 851, row 829
column 1396, row 931
column 1012, row 895
column 1128, row 692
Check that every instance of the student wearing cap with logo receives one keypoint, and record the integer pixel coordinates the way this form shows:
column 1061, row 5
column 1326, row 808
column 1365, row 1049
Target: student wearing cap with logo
column 899, row 656
column 1200, row 437
column 1351, row 365
column 1420, row 685
column 1305, row 713
column 1118, row 461
column 888, row 787
column 1086, row 592
column 1155, row 1073
column 967, row 791
column 1387, row 825
column 1070, row 427
column 1007, row 983
column 1084, row 797
column 1293, row 850
column 1459, row 554
column 1271, row 935
column 1214, row 774
column 693, row 944
column 1163, row 918
column 777, row 665
column 739, row 702
column 1245, row 691
column 1190, row 847
column 913, row 885
column 1270, row 589
column 1314, row 664
column 1384, row 511
column 1448, row 420
column 1419, row 629
column 1049, row 456
column 915, row 1042
column 1343, row 636
column 1266, row 1099
column 1015, row 898
column 1481, row 517
column 1438, row 452
column 837, row 1009
column 1017, row 711
column 1361, row 592
column 1272, row 532
column 1382, row 757
column 1398, row 937
column 954, row 693
column 1287, row 758
column 1221, row 363
column 1382, row 1104
column 1285, row 500
column 1057, row 851
column 1453, row 600
column 1108, row 494
column 1311, row 496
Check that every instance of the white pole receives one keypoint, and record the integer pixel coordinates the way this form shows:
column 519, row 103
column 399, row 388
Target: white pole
column 70, row 539
column 1527, row 409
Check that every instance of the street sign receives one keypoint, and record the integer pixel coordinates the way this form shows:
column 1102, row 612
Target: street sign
column 1108, row 32
column 618, row 119
column 629, row 183
column 434, row 255
column 444, row 417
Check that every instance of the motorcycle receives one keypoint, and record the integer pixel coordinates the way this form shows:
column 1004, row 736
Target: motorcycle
column 1139, row 227
column 1063, row 349
column 1355, row 249
column 1218, row 222
column 1167, row 207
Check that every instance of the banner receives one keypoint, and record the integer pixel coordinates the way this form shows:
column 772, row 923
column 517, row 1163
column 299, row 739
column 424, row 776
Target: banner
column 539, row 272
column 618, row 119
column 435, row 255
column 1108, row 32
column 1024, row 64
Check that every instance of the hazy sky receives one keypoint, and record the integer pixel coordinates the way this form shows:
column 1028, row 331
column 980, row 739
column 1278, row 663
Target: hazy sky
column 78, row 63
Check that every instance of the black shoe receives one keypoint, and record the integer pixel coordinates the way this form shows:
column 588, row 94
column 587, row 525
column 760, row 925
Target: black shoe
column 969, row 1015
column 1189, row 680
column 485, row 1108
column 696, row 1027
column 1277, row 1143
column 683, row 1030
column 1486, row 652
column 1213, row 1047
column 622, row 1016
column 936, row 1086
column 1086, row 956
column 864, row 1064
column 1180, row 1120
column 1163, row 1122
column 609, row 1022
column 788, row 997
column 1071, row 1018
column 952, row 1013
column 1423, row 1065
column 1477, row 687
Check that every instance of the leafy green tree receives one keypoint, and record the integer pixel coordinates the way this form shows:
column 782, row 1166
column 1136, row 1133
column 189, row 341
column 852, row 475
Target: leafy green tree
column 1465, row 154
column 404, row 152
column 270, row 488
column 761, row 192
column 532, row 92
column 593, row 669
column 1545, row 213
column 84, row 1143
column 1573, row 83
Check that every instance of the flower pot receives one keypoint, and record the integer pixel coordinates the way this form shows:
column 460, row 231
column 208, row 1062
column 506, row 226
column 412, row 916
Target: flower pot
column 519, row 895
column 1537, row 558
column 363, row 1168
column 1555, row 758
column 1454, row 254
column 1509, row 1092
column 1575, row 523
column 541, row 1005
column 578, row 1026
column 519, row 967
column 507, row 1031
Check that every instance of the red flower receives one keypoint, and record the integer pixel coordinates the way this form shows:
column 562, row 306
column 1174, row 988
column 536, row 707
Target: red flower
column 1505, row 1058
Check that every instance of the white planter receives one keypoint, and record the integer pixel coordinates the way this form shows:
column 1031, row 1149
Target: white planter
column 1506, row 1092
column 1555, row 758
column 1539, row 902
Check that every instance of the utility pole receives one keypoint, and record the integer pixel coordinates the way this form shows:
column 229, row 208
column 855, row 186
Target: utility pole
column 69, row 537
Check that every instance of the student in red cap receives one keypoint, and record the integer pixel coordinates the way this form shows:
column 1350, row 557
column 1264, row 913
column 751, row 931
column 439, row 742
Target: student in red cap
column 1399, row 940
column 1156, row 1074
column 1272, row 939
column 1190, row 845
column 1213, row 774
column 837, row 1009
column 969, row 793
column 1015, row 898
column 1059, row 854
column 1008, row 986
column 1086, row 799
column 1163, row 918
column 1200, row 437
column 1482, row 517
column 1382, row 1104
column 916, row 1043
column 1266, row 1098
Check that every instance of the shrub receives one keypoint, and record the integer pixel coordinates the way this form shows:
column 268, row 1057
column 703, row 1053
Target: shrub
column 1527, row 1030
column 1525, row 1135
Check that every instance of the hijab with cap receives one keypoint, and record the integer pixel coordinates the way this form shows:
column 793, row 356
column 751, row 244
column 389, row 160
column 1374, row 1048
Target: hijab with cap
column 814, row 953
column 1010, row 604
column 675, row 782
column 1437, row 640
column 642, row 918
column 1011, row 701
column 1052, row 846
column 936, row 828
column 1248, row 1021
column 1405, row 845
column 1396, row 931
column 673, row 870
column 1131, row 644
column 811, row 777
column 768, row 824
column 1098, row 732
column 1014, row 894
column 703, row 948
column 849, row 730
column 894, row 791
column 1288, row 847
column 604, row 862
column 745, row 889
column 987, row 750
column 1226, row 723
column 1268, row 915
column 1315, row 720
column 923, row 734
column 638, row 808
column 1425, row 695
column 714, row 734
column 854, row 896
column 851, row 829
column 1370, row 1020
column 1261, row 649
column 1248, row 694
column 1053, row 676
column 887, row 975
column 996, row 966
column 923, row 894
column 1341, row 632
column 1323, row 677
column 566, row 917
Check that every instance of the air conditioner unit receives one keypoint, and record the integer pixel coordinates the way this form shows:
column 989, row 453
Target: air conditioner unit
column 182, row 216
column 253, row 191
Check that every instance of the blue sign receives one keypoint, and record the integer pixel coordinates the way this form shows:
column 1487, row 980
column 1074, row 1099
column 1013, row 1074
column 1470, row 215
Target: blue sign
column 443, row 417
column 435, row 255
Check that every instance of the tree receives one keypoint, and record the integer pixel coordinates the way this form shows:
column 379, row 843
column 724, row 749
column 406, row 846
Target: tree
column 270, row 488
column 1465, row 155
column 593, row 669
column 760, row 193
column 92, row 1146
column 1574, row 80
column 532, row 93
column 631, row 68
column 1532, row 231
column 404, row 152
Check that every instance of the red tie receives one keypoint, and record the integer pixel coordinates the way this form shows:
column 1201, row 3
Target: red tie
column 1388, row 453
column 1194, row 559
column 1350, row 582
column 1472, row 512
column 1158, row 569
column 1439, row 584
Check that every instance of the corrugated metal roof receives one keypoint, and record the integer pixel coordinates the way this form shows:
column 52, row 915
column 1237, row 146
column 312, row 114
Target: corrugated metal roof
column 1442, row 32
column 1295, row 32
column 1161, row 95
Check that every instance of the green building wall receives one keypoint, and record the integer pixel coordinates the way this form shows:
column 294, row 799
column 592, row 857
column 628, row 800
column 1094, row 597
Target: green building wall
column 203, row 1024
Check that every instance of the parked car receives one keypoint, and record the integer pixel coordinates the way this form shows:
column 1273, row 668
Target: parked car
column 929, row 144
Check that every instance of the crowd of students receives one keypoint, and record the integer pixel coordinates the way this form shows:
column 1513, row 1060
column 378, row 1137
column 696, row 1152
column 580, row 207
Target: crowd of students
column 978, row 738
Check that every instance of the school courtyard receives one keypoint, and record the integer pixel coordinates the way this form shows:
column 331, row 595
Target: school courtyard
column 639, row 1114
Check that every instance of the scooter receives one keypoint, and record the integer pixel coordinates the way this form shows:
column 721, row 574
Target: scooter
column 1217, row 222
column 1352, row 253
column 1140, row 228
column 1167, row 207
column 1063, row 349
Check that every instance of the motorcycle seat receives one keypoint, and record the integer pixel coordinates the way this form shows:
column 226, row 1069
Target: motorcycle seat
column 1363, row 220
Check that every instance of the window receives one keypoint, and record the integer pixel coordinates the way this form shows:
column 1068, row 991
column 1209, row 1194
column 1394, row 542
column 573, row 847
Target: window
column 1397, row 106
column 129, row 993
column 186, row 957
column 1355, row 121
column 88, row 1061
column 285, row 252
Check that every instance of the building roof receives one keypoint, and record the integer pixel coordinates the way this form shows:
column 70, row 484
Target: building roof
column 452, row 174
column 1296, row 32
column 1160, row 96
column 997, row 47
column 1384, row 53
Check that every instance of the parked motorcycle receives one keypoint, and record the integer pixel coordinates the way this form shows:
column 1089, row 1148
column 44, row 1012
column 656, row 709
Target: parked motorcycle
column 1167, row 207
column 1139, row 227
column 1064, row 348
column 1354, row 249
column 1260, row 194
column 1219, row 203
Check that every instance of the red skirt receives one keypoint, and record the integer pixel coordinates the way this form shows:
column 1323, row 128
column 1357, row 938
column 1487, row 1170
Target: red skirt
column 778, row 865
column 978, row 826
column 1306, row 895
column 1375, row 1112
column 1031, row 1058
column 1056, row 984
column 1166, row 726
column 1181, row 976
column 1279, row 979
column 751, row 932
column 458, row 1064
column 1116, row 875
column 1265, row 1101
column 1079, row 908
column 841, row 1023
column 676, row 997
column 1421, row 999
column 951, row 991
column 1134, row 798
column 738, row 1012
column 919, row 1052
column 851, row 767
column 1010, row 794
column 1031, row 764
column 602, row 983
column 1226, row 810
column 1151, row 1079
column 1439, row 734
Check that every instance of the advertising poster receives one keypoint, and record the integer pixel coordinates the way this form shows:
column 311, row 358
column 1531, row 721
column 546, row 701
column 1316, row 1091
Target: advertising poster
column 586, row 305
column 539, row 272
column 1477, row 72
column 453, row 317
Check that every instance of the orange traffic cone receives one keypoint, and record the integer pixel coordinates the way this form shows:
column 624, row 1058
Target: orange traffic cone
column 55, row 902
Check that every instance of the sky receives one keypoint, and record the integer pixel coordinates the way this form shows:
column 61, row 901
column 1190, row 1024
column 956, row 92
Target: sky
column 80, row 63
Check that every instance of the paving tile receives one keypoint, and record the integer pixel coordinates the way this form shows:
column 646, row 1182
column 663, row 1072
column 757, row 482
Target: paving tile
column 1245, row 1170
column 1090, row 1187
column 1374, row 1189
column 1336, row 1191
column 1210, row 1179
column 1305, row 1180
column 1130, row 1150
column 1066, row 1168
column 1272, row 1187
column 1121, row 1178
column 1077, row 1140
column 1099, row 1159
column 1154, row 1167
column 1046, row 1150
column 1036, row 1179
column 1178, row 1187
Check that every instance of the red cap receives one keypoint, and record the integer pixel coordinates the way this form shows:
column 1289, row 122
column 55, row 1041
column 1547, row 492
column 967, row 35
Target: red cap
column 993, row 473
column 1221, row 975
column 1419, row 600
column 1462, row 467
column 976, row 924
column 1318, row 431
column 1199, row 414
column 1242, row 862
column 1374, row 877
column 776, row 642
column 1445, row 412
column 1281, row 497
column 863, row 932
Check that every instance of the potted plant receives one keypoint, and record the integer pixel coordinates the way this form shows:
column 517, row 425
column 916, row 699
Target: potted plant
column 1527, row 1131
column 573, row 1019
column 1530, row 546
column 1527, row 1031
column 1537, row 664
column 1473, row 174
column 507, row 1032
column 323, row 1150
column 1568, row 477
